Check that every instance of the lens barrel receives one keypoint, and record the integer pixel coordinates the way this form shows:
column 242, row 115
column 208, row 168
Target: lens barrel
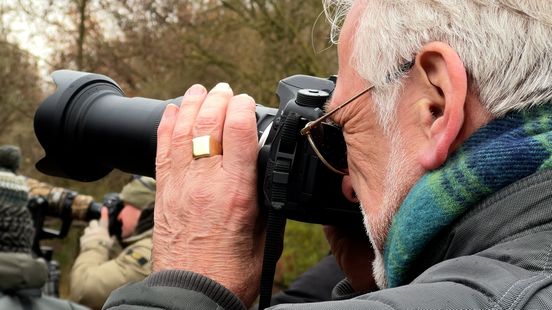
column 87, row 128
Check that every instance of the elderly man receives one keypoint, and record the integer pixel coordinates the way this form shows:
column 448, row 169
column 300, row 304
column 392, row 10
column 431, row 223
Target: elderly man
column 449, row 149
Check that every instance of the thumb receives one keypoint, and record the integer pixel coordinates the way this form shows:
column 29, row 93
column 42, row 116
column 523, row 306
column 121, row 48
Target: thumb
column 104, row 218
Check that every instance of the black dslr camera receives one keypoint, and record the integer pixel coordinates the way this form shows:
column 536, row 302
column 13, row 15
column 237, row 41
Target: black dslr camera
column 89, row 113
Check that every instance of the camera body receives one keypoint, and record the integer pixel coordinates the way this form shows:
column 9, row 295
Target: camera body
column 89, row 112
column 291, row 176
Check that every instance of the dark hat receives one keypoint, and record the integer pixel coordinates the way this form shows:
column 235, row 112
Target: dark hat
column 16, row 224
column 10, row 157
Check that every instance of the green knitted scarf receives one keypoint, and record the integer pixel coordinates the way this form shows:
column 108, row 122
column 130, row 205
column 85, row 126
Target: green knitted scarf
column 500, row 153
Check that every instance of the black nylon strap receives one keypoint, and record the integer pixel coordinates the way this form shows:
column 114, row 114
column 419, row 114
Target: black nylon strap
column 273, row 248
column 278, row 199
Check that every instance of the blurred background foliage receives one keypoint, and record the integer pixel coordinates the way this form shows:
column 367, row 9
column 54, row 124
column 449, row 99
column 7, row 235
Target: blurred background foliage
column 158, row 48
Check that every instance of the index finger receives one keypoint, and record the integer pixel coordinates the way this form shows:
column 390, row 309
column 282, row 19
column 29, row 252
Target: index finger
column 104, row 217
column 164, row 136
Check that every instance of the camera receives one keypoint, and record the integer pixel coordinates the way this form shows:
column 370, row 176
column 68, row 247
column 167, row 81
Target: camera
column 66, row 205
column 89, row 113
column 47, row 201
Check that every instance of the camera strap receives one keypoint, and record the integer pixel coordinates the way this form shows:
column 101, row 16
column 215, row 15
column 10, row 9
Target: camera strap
column 279, row 167
column 273, row 248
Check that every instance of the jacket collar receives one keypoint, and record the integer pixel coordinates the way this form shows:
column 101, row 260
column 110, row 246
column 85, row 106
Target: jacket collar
column 146, row 234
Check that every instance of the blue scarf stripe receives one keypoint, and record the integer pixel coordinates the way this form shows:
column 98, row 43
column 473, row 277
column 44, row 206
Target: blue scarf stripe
column 463, row 181
column 498, row 154
column 450, row 201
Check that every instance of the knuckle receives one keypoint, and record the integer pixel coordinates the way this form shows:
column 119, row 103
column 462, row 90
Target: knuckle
column 207, row 122
column 244, row 136
column 182, row 135
column 190, row 98
column 240, row 121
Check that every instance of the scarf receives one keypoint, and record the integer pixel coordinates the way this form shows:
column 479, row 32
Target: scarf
column 498, row 154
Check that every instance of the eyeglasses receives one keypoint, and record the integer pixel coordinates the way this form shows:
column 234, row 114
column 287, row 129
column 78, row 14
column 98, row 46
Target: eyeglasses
column 327, row 141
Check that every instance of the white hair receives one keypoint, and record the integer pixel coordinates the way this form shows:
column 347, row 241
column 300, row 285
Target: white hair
column 505, row 45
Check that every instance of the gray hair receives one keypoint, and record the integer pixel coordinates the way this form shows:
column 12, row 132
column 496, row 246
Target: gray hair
column 506, row 46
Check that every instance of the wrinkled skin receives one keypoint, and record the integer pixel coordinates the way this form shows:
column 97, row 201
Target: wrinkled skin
column 206, row 215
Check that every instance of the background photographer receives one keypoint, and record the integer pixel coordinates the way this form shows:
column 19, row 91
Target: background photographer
column 22, row 275
column 101, row 265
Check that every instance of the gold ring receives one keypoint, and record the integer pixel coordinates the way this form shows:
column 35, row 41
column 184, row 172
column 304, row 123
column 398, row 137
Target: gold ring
column 205, row 146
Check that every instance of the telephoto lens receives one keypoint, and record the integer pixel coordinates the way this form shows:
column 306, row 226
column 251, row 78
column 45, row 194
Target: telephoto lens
column 87, row 128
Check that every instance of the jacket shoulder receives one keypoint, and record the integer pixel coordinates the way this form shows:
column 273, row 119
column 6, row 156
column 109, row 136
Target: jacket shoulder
column 511, row 275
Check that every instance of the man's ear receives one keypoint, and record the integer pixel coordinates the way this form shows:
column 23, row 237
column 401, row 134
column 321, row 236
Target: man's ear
column 441, row 108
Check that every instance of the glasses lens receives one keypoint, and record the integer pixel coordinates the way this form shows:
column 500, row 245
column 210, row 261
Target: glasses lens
column 329, row 141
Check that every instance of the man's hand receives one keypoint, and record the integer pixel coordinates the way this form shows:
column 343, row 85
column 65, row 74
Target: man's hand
column 354, row 255
column 97, row 234
column 206, row 214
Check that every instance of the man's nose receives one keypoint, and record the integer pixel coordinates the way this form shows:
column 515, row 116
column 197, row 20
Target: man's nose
column 348, row 190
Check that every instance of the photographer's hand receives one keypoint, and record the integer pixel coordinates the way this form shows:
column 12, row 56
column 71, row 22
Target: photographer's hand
column 354, row 255
column 206, row 214
column 97, row 234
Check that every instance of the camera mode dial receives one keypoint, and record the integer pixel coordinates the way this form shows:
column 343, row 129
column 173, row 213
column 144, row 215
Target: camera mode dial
column 312, row 98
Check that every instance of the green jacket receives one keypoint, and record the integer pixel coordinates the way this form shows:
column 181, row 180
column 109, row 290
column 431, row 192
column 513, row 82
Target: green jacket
column 97, row 272
column 21, row 280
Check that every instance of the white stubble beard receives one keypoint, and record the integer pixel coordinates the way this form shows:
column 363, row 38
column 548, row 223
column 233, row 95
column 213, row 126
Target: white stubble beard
column 399, row 179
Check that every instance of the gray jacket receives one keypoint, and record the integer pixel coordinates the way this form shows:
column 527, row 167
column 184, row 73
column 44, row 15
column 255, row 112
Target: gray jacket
column 496, row 256
column 21, row 281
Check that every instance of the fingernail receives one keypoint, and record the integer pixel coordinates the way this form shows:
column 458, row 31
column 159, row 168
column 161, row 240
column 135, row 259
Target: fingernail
column 221, row 86
column 196, row 90
column 246, row 96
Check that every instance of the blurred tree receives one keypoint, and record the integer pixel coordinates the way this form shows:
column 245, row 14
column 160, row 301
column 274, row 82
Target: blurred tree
column 158, row 48
column 19, row 84
column 18, row 79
